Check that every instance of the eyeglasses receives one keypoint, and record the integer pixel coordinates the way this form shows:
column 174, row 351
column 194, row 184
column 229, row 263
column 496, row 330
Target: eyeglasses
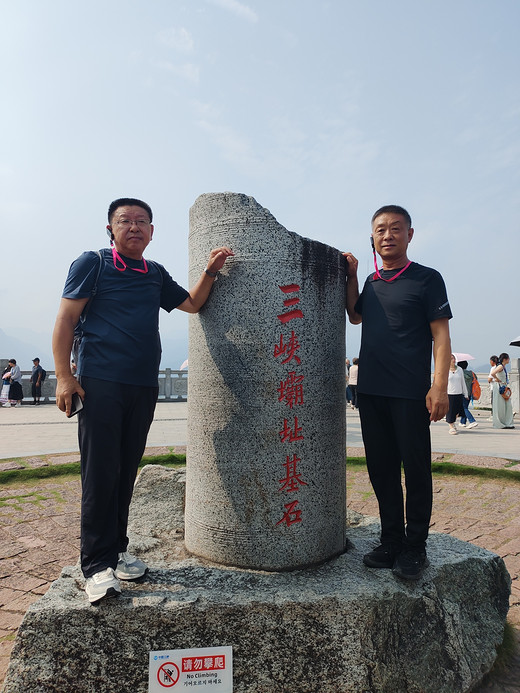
column 127, row 223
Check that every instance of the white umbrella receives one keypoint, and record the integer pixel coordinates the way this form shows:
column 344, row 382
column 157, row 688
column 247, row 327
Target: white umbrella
column 459, row 356
column 515, row 342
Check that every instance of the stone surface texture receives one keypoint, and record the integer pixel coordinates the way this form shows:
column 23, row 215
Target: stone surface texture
column 339, row 627
column 266, row 398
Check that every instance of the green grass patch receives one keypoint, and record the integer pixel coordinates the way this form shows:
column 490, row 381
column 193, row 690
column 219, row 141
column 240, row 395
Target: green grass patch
column 17, row 502
column 451, row 469
column 170, row 459
column 14, row 476
column 72, row 469
column 482, row 472
column 356, row 461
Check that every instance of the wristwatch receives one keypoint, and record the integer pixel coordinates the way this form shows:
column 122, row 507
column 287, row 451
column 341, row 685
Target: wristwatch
column 210, row 274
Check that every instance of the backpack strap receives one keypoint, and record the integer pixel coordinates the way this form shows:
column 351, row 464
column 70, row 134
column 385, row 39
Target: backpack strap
column 78, row 330
column 94, row 288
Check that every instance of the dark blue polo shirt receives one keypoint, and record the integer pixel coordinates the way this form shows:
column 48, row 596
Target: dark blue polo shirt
column 121, row 340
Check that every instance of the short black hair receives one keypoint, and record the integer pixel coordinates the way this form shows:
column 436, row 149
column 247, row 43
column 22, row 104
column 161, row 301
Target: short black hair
column 393, row 209
column 128, row 202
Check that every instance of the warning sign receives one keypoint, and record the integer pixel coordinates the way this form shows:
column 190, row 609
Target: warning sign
column 168, row 674
column 210, row 669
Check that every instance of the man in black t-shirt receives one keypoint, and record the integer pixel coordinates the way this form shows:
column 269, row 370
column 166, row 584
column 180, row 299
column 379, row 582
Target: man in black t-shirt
column 403, row 307
column 36, row 381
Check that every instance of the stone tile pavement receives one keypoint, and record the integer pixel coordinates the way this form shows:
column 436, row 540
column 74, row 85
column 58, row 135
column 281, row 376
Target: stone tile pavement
column 39, row 534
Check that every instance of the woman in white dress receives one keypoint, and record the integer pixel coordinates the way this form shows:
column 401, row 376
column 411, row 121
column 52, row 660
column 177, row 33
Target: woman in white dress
column 502, row 408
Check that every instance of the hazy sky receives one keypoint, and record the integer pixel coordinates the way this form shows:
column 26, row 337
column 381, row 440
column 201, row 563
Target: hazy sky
column 322, row 111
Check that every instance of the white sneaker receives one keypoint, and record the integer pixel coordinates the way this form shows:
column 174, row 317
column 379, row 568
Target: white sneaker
column 129, row 567
column 18, row 404
column 473, row 424
column 453, row 431
column 461, row 425
column 7, row 404
column 101, row 585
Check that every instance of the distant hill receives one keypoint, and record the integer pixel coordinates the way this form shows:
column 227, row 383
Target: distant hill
column 484, row 368
column 26, row 346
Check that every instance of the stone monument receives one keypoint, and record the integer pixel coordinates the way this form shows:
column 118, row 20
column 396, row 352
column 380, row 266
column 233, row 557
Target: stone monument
column 266, row 393
column 264, row 492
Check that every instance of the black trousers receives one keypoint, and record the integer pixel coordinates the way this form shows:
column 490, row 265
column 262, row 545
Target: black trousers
column 397, row 431
column 112, row 428
column 456, row 408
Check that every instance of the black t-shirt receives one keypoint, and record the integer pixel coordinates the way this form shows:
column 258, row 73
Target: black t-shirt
column 396, row 339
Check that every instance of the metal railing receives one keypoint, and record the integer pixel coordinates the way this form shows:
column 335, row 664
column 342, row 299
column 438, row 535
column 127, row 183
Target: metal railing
column 173, row 386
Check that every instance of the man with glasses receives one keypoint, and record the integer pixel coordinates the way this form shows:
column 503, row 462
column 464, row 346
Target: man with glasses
column 117, row 294
column 403, row 309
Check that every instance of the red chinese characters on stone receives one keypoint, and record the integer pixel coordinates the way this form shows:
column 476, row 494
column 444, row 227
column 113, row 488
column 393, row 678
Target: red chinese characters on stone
column 291, row 390
column 291, row 515
column 288, row 349
column 289, row 434
column 289, row 302
column 292, row 480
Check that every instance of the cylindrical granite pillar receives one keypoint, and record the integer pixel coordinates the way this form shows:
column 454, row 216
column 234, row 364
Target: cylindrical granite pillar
column 265, row 484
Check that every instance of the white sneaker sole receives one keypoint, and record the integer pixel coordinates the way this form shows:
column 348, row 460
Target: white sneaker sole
column 129, row 576
column 109, row 594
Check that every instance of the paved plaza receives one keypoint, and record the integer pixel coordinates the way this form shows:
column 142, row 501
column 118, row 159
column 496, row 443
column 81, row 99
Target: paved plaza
column 39, row 521
column 29, row 431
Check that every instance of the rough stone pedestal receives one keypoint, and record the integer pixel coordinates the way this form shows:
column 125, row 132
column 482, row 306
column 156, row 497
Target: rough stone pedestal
column 336, row 628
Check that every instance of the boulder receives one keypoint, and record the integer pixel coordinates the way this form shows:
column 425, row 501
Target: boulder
column 338, row 627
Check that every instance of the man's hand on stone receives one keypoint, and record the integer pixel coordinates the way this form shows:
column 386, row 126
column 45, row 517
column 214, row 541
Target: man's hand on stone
column 352, row 264
column 218, row 257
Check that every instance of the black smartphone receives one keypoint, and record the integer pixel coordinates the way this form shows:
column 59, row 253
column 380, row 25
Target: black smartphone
column 77, row 404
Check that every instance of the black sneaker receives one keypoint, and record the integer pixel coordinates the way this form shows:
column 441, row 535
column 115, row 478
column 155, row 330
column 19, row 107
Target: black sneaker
column 383, row 556
column 410, row 564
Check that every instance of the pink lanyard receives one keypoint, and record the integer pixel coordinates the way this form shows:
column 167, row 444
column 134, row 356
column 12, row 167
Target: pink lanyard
column 378, row 275
column 117, row 257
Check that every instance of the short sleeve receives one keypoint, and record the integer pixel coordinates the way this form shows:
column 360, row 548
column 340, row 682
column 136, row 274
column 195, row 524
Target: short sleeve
column 438, row 305
column 82, row 276
column 172, row 294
